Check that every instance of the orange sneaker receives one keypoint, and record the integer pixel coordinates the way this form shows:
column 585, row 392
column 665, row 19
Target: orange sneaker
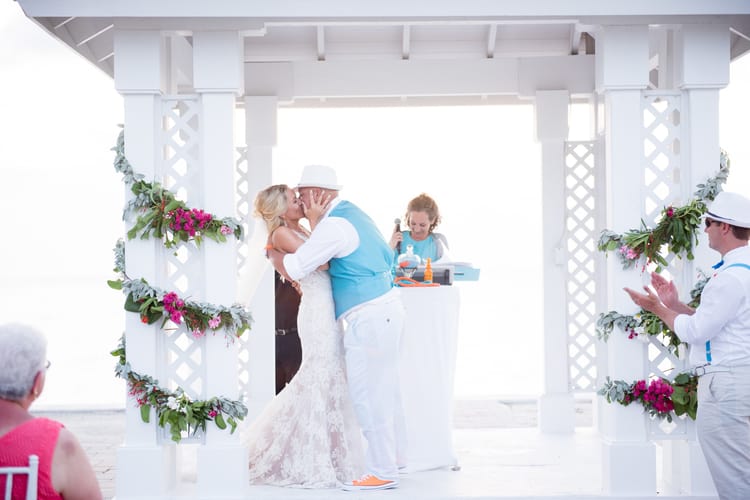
column 369, row 482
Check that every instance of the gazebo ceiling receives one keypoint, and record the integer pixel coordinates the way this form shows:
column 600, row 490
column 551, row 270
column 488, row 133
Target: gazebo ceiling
column 288, row 31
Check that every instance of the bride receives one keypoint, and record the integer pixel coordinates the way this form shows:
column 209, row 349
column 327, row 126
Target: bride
column 307, row 436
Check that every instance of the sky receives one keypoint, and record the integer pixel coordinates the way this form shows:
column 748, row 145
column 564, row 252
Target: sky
column 62, row 205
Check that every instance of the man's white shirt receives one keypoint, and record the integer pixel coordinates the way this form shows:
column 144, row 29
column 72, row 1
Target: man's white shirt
column 332, row 237
column 723, row 316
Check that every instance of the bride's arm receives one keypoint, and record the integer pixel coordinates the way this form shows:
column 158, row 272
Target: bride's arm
column 282, row 240
column 285, row 240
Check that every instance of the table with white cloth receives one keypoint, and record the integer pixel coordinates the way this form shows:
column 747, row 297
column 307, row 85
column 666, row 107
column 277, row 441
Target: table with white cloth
column 427, row 368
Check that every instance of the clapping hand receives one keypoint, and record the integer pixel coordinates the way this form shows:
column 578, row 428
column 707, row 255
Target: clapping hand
column 647, row 301
column 666, row 290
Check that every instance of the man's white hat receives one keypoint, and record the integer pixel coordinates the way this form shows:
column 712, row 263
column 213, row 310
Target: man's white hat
column 732, row 208
column 321, row 176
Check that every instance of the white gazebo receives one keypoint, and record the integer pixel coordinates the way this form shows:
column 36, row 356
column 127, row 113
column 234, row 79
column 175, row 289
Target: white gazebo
column 650, row 71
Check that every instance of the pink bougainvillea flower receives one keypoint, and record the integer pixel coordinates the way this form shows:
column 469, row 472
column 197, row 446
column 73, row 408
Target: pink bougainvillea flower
column 214, row 322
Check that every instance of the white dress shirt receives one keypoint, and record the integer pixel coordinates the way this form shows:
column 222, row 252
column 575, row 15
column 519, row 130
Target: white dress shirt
column 723, row 316
column 332, row 237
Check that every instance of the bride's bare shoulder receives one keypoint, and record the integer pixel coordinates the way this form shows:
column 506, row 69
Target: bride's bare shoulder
column 285, row 239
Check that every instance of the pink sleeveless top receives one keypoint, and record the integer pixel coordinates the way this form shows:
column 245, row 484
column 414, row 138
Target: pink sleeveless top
column 37, row 436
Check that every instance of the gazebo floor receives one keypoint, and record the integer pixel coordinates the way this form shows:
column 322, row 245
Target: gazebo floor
column 500, row 457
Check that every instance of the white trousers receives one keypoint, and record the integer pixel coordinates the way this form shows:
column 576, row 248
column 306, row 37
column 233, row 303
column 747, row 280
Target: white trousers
column 723, row 426
column 372, row 336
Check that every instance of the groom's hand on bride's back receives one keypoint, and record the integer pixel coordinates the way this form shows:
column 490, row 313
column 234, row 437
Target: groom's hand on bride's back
column 277, row 260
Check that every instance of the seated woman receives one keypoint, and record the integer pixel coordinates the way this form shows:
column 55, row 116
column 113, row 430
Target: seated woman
column 64, row 468
column 422, row 217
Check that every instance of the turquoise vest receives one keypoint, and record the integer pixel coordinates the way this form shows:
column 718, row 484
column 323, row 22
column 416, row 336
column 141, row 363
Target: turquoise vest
column 364, row 274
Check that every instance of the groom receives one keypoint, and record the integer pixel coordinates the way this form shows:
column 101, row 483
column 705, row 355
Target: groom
column 370, row 310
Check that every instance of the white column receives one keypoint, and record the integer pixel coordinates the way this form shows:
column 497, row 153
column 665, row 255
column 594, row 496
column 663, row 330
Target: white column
column 222, row 461
column 260, row 119
column 628, row 457
column 702, row 53
column 145, row 465
column 556, row 409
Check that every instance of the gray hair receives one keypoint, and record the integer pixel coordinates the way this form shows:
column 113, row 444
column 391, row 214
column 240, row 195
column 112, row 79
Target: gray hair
column 23, row 353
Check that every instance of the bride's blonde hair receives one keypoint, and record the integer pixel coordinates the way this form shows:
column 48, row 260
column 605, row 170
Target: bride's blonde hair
column 271, row 204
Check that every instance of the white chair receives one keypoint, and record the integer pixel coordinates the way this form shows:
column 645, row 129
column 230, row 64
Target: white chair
column 32, row 470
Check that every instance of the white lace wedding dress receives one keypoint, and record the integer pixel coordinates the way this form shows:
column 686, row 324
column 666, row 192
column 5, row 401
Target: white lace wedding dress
column 308, row 436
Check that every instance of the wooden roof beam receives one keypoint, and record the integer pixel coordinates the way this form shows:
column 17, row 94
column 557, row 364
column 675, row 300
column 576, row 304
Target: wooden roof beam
column 98, row 33
column 321, row 42
column 575, row 38
column 491, row 40
column 63, row 23
column 406, row 42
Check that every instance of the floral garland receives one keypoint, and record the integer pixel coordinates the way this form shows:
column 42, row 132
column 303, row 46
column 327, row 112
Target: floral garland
column 163, row 216
column 674, row 233
column 175, row 408
column 646, row 322
column 168, row 219
column 660, row 397
column 153, row 304
column 676, row 229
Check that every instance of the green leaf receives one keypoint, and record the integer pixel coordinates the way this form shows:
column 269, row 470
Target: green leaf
column 146, row 412
column 175, row 432
column 115, row 284
column 219, row 419
column 153, row 316
column 131, row 305
column 172, row 205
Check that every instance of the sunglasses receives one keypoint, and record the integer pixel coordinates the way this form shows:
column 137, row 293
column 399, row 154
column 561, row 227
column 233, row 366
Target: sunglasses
column 711, row 221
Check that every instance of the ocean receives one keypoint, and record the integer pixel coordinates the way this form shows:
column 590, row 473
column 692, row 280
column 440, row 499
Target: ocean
column 83, row 320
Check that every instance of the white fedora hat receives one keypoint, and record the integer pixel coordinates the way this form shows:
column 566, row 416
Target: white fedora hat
column 321, row 176
column 732, row 208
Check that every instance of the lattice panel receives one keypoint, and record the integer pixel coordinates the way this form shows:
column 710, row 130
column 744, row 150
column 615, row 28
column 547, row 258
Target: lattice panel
column 243, row 203
column 181, row 352
column 662, row 187
column 180, row 143
column 184, row 355
column 667, row 364
column 183, row 270
column 580, row 241
column 244, row 209
column 661, row 150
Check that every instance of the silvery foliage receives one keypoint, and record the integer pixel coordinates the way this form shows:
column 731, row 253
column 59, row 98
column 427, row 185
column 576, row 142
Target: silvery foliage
column 712, row 187
column 614, row 390
column 606, row 323
column 119, row 252
column 122, row 164
column 129, row 176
